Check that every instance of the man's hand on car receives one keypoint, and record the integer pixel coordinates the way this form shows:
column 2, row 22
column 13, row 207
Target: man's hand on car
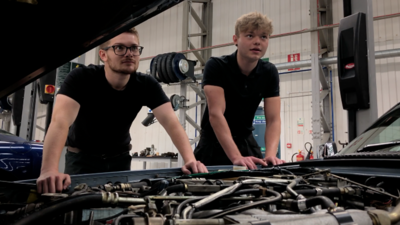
column 52, row 182
column 249, row 162
column 273, row 160
column 195, row 167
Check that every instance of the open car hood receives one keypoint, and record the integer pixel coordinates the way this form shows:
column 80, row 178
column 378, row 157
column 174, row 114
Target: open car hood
column 41, row 35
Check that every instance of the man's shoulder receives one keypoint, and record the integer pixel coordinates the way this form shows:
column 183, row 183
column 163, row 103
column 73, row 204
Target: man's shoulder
column 87, row 71
column 267, row 65
column 225, row 59
column 144, row 78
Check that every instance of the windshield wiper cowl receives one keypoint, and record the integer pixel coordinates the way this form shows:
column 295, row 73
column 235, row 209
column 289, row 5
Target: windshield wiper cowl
column 374, row 147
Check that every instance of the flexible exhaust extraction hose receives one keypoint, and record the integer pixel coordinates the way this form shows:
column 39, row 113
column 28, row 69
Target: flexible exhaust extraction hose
column 62, row 206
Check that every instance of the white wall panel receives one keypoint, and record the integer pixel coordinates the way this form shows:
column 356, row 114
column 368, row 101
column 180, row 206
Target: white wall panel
column 163, row 33
column 296, row 104
column 386, row 36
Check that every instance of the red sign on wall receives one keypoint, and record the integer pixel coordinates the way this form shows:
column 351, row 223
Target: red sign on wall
column 293, row 58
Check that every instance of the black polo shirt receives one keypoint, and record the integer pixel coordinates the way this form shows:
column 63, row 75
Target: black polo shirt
column 243, row 94
column 106, row 115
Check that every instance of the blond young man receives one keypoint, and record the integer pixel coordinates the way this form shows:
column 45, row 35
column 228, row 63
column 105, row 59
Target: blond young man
column 234, row 86
column 94, row 110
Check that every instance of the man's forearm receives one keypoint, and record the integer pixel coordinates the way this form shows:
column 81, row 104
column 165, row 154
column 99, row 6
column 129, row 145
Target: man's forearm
column 53, row 145
column 272, row 135
column 224, row 136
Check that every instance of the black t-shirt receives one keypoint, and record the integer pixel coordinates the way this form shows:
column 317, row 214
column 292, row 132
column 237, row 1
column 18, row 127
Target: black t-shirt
column 106, row 115
column 243, row 93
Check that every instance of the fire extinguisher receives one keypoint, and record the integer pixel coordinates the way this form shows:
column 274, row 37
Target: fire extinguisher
column 311, row 154
column 299, row 156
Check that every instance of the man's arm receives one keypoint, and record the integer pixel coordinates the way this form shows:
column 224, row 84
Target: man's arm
column 272, row 107
column 64, row 114
column 167, row 118
column 216, row 107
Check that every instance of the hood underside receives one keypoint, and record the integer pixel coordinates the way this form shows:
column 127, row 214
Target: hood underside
column 41, row 35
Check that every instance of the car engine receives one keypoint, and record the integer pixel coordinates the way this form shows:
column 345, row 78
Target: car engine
column 270, row 196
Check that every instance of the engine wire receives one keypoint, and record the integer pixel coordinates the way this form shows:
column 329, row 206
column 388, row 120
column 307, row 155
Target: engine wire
column 361, row 185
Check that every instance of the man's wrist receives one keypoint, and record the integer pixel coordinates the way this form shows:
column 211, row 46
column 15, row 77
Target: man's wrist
column 233, row 157
column 270, row 154
column 188, row 159
column 48, row 169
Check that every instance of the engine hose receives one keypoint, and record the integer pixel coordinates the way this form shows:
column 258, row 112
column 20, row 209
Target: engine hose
column 254, row 191
column 290, row 187
column 394, row 215
column 190, row 214
column 277, row 197
column 191, row 210
column 156, row 188
column 323, row 191
column 325, row 202
column 180, row 206
column 176, row 188
column 227, row 191
column 69, row 204
column 138, row 184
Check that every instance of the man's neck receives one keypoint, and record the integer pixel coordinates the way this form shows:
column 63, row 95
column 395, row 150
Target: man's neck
column 117, row 81
column 246, row 66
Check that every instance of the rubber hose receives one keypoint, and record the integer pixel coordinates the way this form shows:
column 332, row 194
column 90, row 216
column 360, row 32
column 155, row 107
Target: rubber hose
column 277, row 197
column 325, row 202
column 156, row 188
column 290, row 187
column 176, row 188
column 72, row 203
column 313, row 192
column 138, row 184
column 253, row 191
column 190, row 214
column 187, row 201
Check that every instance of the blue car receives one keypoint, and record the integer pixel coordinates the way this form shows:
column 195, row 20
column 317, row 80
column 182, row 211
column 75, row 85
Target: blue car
column 19, row 159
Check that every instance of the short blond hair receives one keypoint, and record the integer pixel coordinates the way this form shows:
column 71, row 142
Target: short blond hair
column 132, row 31
column 253, row 21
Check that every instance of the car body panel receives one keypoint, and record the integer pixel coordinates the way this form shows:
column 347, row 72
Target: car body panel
column 19, row 159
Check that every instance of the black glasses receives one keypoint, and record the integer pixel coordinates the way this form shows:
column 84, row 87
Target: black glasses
column 121, row 50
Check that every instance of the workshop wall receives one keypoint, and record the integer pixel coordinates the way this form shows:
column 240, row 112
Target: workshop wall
column 386, row 36
column 293, row 15
column 163, row 34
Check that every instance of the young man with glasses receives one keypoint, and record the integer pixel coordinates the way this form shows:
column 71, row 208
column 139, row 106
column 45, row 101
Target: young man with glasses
column 234, row 86
column 94, row 110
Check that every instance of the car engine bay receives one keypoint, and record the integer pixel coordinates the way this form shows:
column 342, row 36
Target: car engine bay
column 271, row 195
